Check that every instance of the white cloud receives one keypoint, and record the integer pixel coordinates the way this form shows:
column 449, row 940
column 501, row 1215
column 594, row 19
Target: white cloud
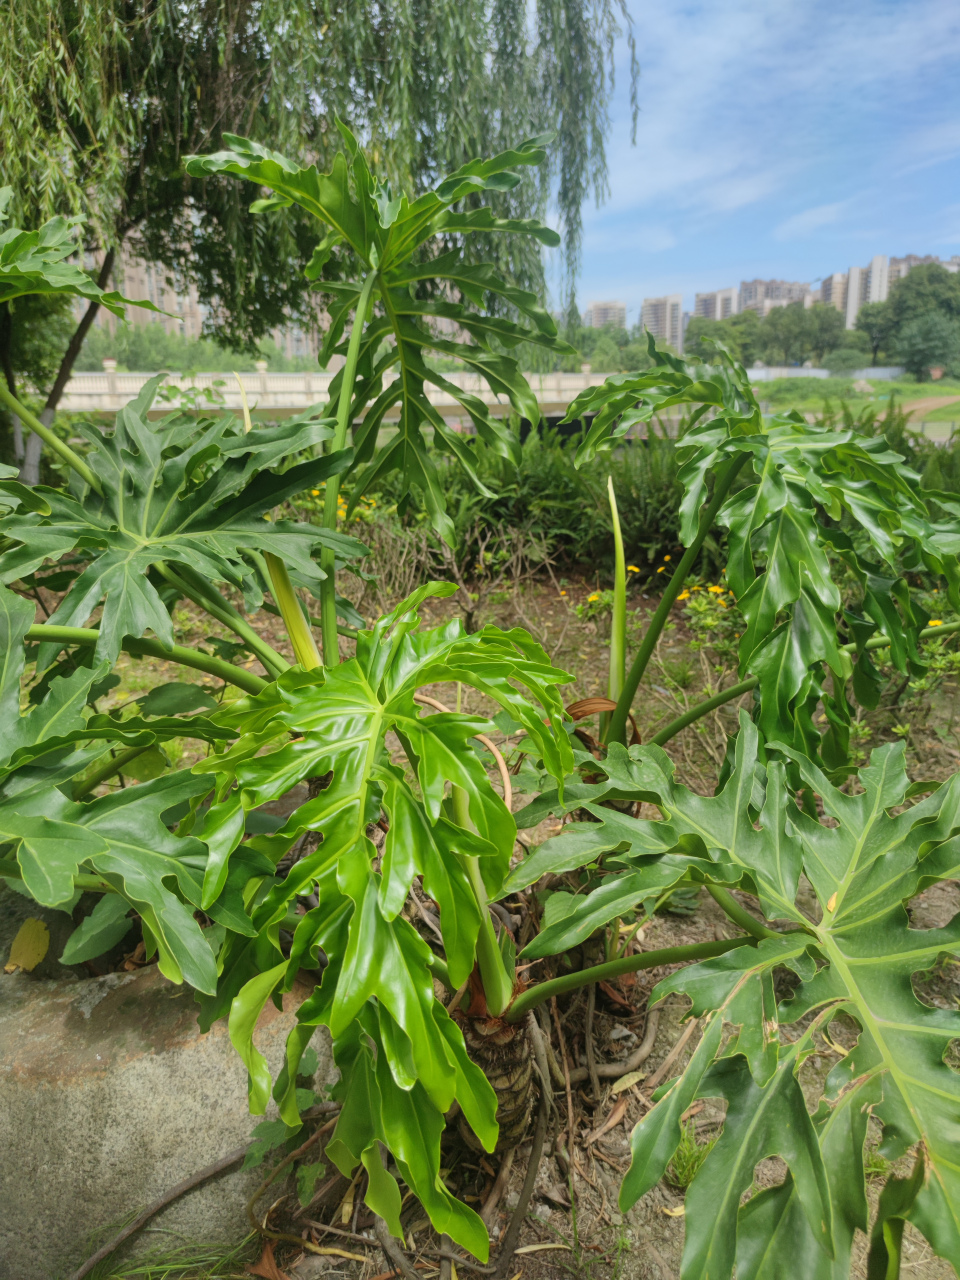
column 740, row 99
column 929, row 145
column 804, row 224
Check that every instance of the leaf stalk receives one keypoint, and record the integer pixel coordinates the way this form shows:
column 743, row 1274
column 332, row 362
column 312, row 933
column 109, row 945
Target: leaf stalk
column 328, row 557
column 202, row 594
column 534, row 996
column 298, row 628
column 618, row 621
column 618, row 721
column 497, row 985
column 50, row 438
column 246, row 680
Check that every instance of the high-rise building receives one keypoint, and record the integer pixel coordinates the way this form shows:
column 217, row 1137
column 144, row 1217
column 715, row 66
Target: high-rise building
column 721, row 304
column 833, row 291
column 663, row 317
column 849, row 290
column 899, row 267
column 600, row 313
column 763, row 295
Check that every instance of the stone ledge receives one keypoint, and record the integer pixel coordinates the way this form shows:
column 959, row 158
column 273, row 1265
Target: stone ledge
column 109, row 1095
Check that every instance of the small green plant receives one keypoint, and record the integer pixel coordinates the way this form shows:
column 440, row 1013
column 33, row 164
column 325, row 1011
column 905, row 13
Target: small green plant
column 689, row 1156
column 598, row 604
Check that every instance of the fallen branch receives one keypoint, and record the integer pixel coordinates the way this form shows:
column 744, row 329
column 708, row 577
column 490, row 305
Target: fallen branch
column 391, row 1250
column 588, row 1043
column 188, row 1184
column 670, row 1059
column 489, row 1211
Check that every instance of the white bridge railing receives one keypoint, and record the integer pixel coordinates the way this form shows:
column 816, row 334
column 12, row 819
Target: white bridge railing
column 286, row 393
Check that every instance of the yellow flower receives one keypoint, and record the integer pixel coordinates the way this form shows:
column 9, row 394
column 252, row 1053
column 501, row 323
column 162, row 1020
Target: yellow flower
column 935, row 622
column 684, row 595
column 632, row 568
column 593, row 597
column 661, row 569
column 563, row 593
column 696, row 588
column 667, row 557
column 717, row 591
column 315, row 492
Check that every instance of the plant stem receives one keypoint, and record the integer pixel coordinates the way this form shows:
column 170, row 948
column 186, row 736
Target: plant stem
column 298, row 628
column 203, row 595
column 226, row 671
column 351, row 633
column 738, row 690
column 328, row 557
column 51, row 438
column 533, row 996
column 618, row 621
column 703, row 709
column 497, row 986
column 10, row 870
column 739, row 915
column 114, row 764
column 618, row 722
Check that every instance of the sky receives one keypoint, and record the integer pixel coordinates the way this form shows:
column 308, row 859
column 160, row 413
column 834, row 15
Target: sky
column 777, row 139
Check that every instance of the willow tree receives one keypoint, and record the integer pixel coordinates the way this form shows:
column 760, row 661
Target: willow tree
column 100, row 100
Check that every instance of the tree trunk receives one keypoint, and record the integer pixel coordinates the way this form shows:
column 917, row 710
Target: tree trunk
column 6, row 366
column 30, row 470
column 502, row 1051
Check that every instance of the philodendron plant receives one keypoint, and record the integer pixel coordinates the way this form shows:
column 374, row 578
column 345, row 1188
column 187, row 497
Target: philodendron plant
column 397, row 815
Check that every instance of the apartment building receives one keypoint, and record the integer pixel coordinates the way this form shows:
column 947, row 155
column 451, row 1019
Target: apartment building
column 664, row 318
column 150, row 280
column 599, row 314
column 849, row 290
column 720, row 304
column 763, row 295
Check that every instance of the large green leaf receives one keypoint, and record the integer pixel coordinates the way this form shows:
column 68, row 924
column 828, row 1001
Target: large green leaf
column 856, row 954
column 417, row 280
column 333, row 724
column 806, row 494
column 34, row 262
column 177, row 494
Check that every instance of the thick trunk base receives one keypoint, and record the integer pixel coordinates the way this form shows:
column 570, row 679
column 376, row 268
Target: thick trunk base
column 503, row 1053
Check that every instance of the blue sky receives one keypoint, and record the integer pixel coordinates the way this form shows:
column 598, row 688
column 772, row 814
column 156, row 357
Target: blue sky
column 777, row 138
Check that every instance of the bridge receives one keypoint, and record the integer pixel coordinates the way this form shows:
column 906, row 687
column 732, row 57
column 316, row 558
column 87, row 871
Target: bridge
column 280, row 395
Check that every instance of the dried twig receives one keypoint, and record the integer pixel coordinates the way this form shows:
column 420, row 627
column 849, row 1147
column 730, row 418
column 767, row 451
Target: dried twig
column 613, row 1070
column 492, row 1202
column 276, row 1171
column 661, row 1071
column 222, row 1165
column 588, row 1042
column 446, row 1258
column 392, row 1251
column 566, row 1070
